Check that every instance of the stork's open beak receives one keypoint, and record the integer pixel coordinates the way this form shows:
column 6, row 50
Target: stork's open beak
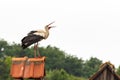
column 51, row 27
column 49, row 24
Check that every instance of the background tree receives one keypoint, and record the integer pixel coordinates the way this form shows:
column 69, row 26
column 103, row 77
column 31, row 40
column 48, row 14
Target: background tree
column 91, row 66
column 5, row 68
column 73, row 65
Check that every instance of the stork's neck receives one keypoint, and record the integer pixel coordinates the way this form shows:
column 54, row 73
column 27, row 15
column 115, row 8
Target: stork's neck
column 46, row 32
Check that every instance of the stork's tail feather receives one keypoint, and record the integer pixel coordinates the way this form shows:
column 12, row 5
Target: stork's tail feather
column 26, row 42
column 24, row 46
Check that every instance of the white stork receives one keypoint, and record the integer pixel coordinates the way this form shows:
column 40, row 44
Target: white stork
column 36, row 36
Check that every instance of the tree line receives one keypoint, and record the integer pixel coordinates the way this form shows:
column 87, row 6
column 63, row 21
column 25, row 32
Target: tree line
column 59, row 65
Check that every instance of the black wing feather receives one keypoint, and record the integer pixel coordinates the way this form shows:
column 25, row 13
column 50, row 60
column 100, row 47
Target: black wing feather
column 30, row 39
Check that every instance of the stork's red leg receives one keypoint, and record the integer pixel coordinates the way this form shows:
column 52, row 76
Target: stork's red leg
column 38, row 50
column 35, row 50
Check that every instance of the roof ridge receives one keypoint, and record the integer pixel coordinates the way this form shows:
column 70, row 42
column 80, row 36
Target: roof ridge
column 109, row 64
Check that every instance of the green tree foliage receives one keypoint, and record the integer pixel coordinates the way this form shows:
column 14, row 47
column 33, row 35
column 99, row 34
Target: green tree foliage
column 3, row 45
column 91, row 66
column 61, row 75
column 58, row 75
column 73, row 65
column 5, row 68
column 118, row 70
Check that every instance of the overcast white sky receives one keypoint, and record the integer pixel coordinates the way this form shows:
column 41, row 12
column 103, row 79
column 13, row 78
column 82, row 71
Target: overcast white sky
column 84, row 28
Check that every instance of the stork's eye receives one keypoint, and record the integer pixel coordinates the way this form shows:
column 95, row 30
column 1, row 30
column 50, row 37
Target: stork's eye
column 49, row 27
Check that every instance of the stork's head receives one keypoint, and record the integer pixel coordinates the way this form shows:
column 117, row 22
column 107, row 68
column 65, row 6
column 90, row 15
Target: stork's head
column 49, row 27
